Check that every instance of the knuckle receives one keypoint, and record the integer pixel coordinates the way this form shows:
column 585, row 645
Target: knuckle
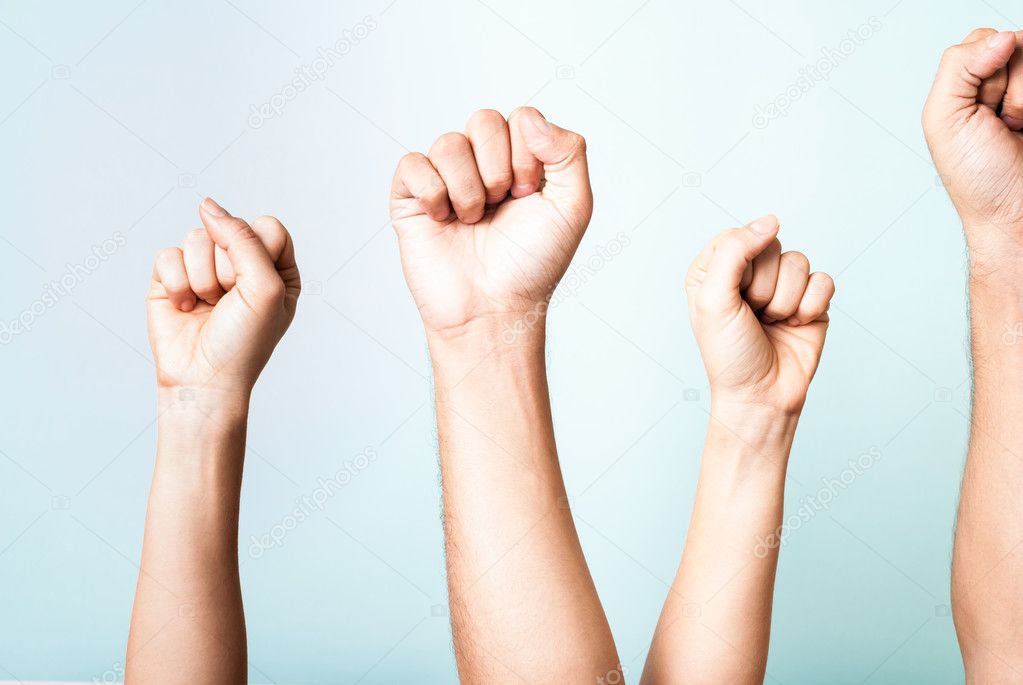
column 499, row 179
column 245, row 233
column 978, row 34
column 266, row 291
column 272, row 290
column 270, row 229
column 435, row 194
column 951, row 57
column 168, row 255
column 470, row 196
column 411, row 160
column 524, row 109
column 776, row 312
column 578, row 143
column 485, row 116
column 205, row 285
column 268, row 221
column 209, row 293
column 757, row 297
column 822, row 284
column 449, row 142
column 526, row 166
column 797, row 260
column 241, row 227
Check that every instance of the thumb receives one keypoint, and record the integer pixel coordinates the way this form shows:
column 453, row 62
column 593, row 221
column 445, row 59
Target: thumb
column 964, row 68
column 732, row 253
column 253, row 266
column 562, row 154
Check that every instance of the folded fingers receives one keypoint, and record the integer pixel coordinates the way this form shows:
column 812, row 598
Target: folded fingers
column 453, row 158
column 170, row 274
column 200, row 266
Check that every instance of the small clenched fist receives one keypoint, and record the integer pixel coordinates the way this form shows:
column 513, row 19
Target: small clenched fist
column 219, row 304
column 760, row 317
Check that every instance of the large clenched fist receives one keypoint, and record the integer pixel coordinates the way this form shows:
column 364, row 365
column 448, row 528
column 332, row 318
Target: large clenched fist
column 972, row 120
column 219, row 304
column 760, row 317
column 489, row 220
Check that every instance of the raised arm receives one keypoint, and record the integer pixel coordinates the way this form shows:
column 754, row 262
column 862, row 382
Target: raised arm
column 217, row 307
column 972, row 120
column 760, row 317
column 487, row 223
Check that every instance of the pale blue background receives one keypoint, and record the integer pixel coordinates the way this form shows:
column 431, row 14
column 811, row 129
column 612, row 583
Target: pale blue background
column 112, row 110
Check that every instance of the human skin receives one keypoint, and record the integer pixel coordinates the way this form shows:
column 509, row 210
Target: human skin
column 972, row 121
column 487, row 224
column 760, row 319
column 217, row 307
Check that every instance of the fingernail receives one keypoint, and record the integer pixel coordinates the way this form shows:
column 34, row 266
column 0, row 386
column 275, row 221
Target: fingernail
column 997, row 38
column 540, row 123
column 212, row 208
column 522, row 189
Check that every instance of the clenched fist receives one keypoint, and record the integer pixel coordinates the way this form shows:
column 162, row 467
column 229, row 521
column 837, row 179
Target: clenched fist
column 760, row 317
column 219, row 304
column 488, row 221
column 972, row 121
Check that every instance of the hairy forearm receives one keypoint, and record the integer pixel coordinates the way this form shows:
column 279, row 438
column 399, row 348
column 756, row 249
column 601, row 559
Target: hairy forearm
column 987, row 575
column 188, row 605
column 716, row 621
column 523, row 604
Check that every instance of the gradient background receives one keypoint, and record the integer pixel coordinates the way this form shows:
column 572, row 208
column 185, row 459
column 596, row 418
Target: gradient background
column 117, row 117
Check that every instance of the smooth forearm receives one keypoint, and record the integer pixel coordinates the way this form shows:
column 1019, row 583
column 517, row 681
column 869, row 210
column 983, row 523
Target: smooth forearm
column 716, row 622
column 523, row 602
column 188, row 606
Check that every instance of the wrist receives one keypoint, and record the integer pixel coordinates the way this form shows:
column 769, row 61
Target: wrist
column 995, row 252
column 508, row 326
column 745, row 459
column 756, row 428
column 201, row 413
column 763, row 401
column 489, row 358
column 201, row 448
column 498, row 336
